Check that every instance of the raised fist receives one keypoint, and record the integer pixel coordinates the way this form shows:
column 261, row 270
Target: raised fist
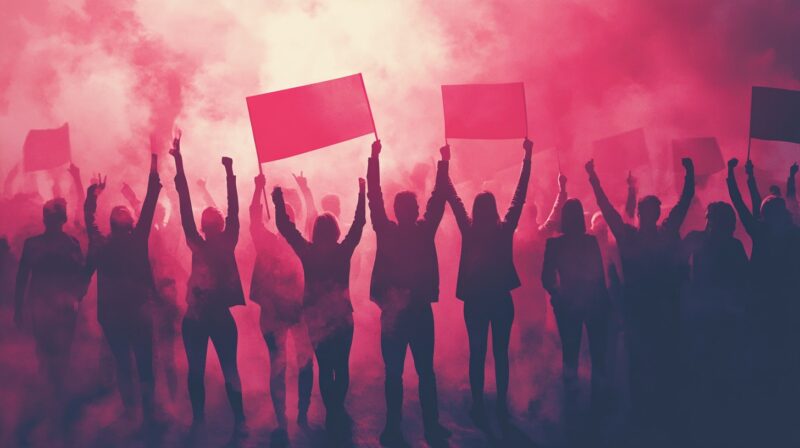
column 376, row 148
column 445, row 152
column 687, row 164
column 590, row 167
column 260, row 181
column 227, row 162
column 732, row 163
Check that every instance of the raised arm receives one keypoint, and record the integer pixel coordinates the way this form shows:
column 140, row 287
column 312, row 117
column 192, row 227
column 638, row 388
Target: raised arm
column 232, row 220
column 515, row 210
column 553, row 221
column 678, row 213
column 308, row 198
column 377, row 209
column 630, row 201
column 257, row 228
column 752, row 187
column 23, row 275
column 435, row 207
column 456, row 204
column 77, row 184
column 89, row 210
column 748, row 221
column 145, row 222
column 285, row 225
column 353, row 236
column 184, row 200
column 610, row 214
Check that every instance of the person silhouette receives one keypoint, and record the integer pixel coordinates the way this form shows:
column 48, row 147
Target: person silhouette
column 713, row 332
column 405, row 281
column 791, row 194
column 654, row 270
column 327, row 308
column 574, row 275
column 486, row 276
column 125, row 288
column 214, row 286
column 774, row 265
column 277, row 286
column 50, row 283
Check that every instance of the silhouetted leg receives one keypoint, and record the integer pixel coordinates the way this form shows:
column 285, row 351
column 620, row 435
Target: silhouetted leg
column 477, row 320
column 142, row 344
column 305, row 369
column 597, row 332
column 195, row 341
column 276, row 344
column 225, row 337
column 393, row 350
column 54, row 331
column 502, row 318
column 166, row 349
column 121, row 349
column 570, row 327
column 422, row 343
column 342, row 363
column 325, row 360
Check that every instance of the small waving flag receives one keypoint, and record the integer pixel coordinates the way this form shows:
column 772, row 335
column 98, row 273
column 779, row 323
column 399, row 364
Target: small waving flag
column 775, row 114
column 45, row 149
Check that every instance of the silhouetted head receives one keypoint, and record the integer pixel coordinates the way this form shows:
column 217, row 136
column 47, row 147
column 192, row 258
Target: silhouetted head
column 572, row 219
column 121, row 220
column 649, row 210
column 406, row 208
column 774, row 211
column 326, row 229
column 484, row 209
column 54, row 213
column 720, row 219
column 775, row 190
column 330, row 203
column 212, row 222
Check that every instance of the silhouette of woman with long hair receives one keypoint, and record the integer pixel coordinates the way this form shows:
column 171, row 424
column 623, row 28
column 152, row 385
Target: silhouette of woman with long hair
column 573, row 274
column 214, row 286
column 486, row 276
column 327, row 308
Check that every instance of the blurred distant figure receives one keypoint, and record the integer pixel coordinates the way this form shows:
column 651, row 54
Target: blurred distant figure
column 405, row 281
column 327, row 309
column 51, row 281
column 654, row 268
column 573, row 274
column 486, row 276
column 277, row 287
column 125, row 288
column 214, row 286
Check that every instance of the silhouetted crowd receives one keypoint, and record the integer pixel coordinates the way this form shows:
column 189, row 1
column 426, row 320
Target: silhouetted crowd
column 710, row 334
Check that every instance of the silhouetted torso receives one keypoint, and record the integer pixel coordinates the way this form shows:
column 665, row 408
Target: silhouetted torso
column 577, row 261
column 56, row 266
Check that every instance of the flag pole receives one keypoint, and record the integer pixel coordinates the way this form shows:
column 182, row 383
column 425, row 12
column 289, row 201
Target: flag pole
column 525, row 109
column 264, row 191
column 369, row 106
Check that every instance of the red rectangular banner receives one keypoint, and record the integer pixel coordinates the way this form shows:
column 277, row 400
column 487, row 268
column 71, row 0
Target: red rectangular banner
column 485, row 111
column 301, row 119
column 45, row 149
